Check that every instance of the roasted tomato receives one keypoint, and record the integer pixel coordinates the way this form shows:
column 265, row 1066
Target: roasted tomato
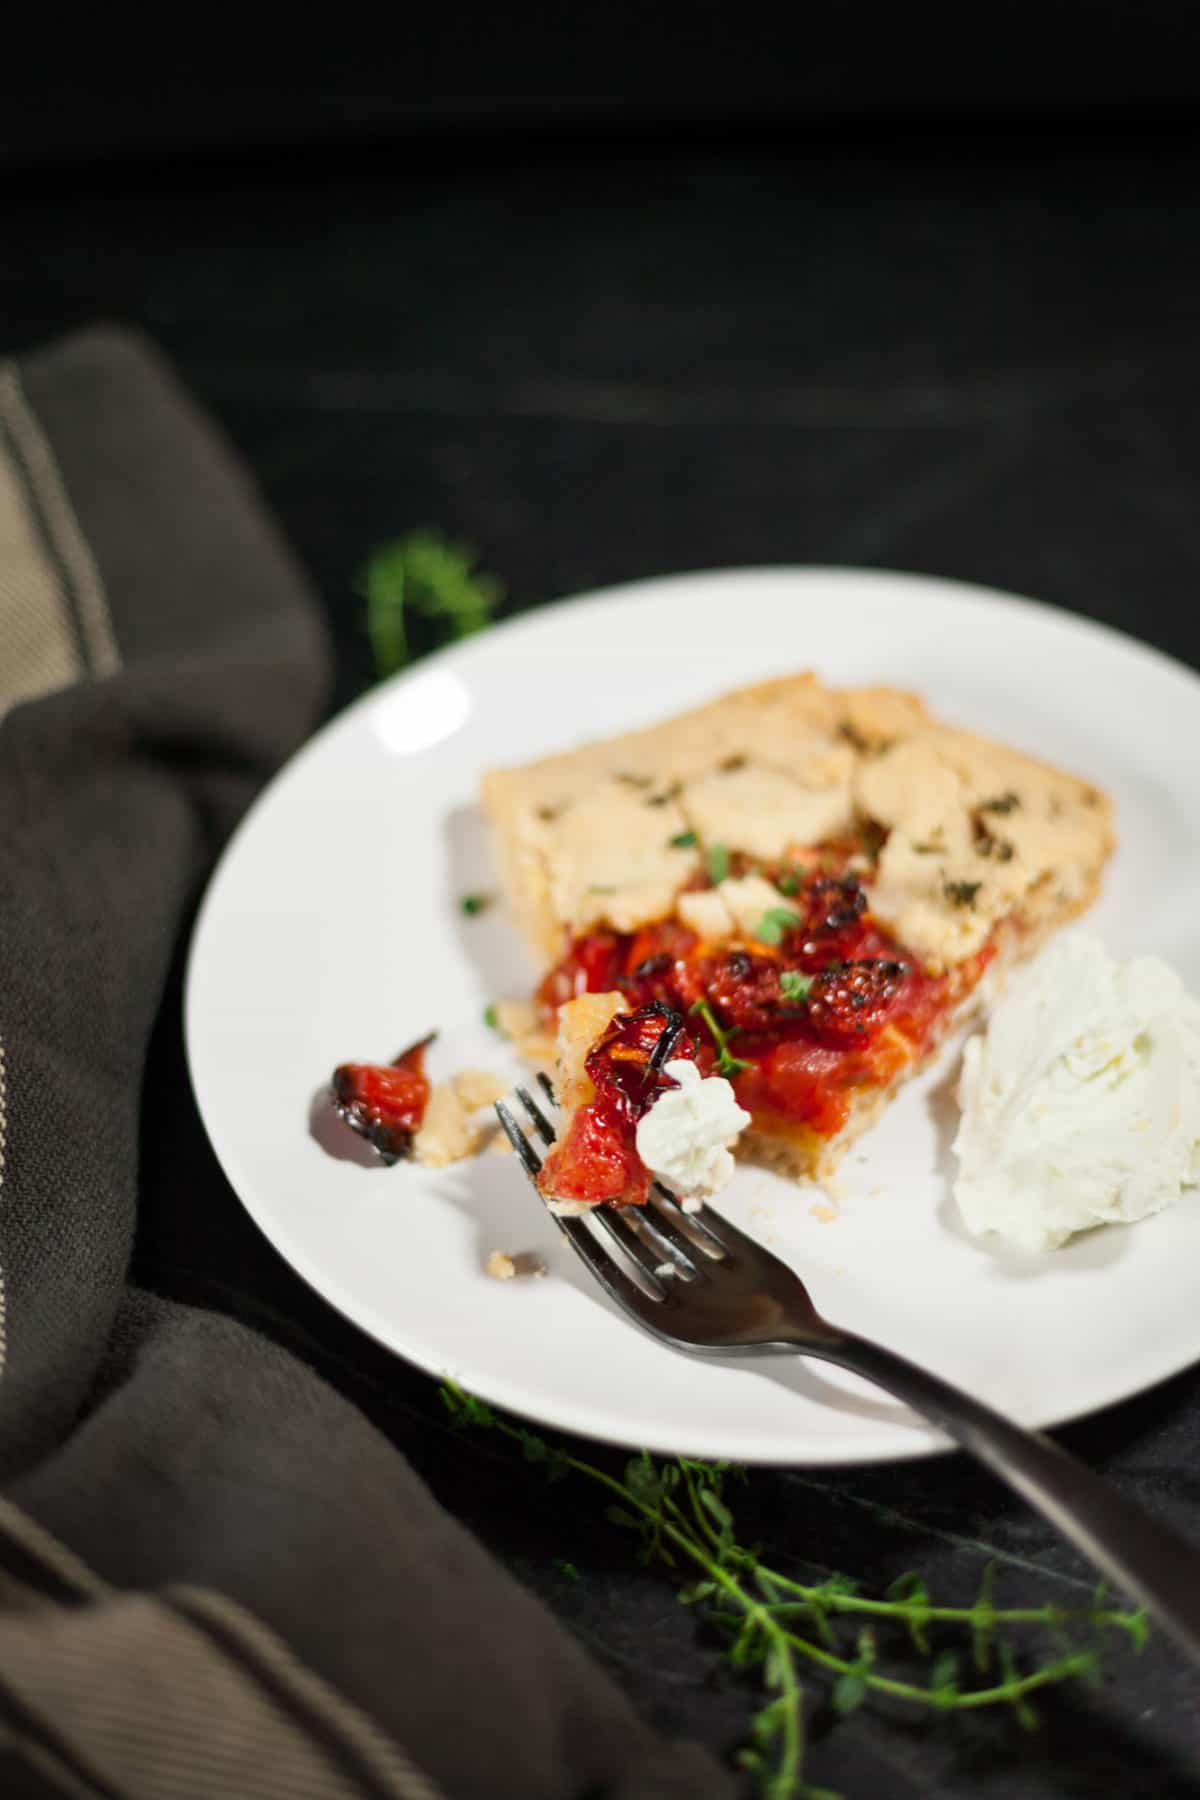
column 596, row 1160
column 385, row 1102
column 745, row 990
column 591, row 966
column 849, row 1000
column 858, row 1020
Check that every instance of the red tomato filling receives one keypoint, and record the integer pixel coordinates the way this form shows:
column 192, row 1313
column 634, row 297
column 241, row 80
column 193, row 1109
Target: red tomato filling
column 830, row 1005
column 384, row 1102
column 596, row 1159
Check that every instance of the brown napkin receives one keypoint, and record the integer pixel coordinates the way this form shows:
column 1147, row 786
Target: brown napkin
column 216, row 1578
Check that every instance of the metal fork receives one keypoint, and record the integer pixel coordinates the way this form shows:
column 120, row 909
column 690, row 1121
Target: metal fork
column 704, row 1287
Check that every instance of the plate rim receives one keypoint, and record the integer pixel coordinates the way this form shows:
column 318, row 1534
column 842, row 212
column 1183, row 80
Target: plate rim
column 857, row 1450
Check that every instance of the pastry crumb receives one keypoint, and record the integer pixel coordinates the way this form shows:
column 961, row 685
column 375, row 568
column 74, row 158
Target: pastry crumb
column 826, row 1214
column 503, row 1266
column 477, row 1088
column 515, row 1018
column 447, row 1134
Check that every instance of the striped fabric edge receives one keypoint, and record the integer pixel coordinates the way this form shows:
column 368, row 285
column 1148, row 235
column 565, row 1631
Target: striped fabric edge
column 124, row 1690
column 66, row 547
column 3, row 1160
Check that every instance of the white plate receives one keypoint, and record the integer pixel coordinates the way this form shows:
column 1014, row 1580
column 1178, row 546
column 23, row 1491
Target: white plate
column 332, row 931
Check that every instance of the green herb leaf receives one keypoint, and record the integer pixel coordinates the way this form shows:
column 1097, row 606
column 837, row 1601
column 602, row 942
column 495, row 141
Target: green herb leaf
column 789, row 882
column 472, row 904
column 773, row 925
column 491, row 1017
column 717, row 863
column 423, row 573
column 620, row 1515
column 849, row 1692
column 794, row 985
column 962, row 893
column 775, row 1624
column 564, row 1567
column 683, row 840
column 945, row 1669
column 1002, row 803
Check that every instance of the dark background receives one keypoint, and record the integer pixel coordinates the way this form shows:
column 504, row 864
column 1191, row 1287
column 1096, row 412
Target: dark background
column 610, row 296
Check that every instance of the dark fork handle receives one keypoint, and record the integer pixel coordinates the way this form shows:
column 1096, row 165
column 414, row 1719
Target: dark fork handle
column 1147, row 1560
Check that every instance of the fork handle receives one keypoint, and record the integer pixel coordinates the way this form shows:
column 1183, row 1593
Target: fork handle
column 1147, row 1560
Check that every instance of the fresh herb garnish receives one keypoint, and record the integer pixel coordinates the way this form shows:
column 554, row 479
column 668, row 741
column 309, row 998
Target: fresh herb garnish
column 683, row 840
column 789, row 881
column 491, row 1017
column 1003, row 803
column 716, row 861
column 727, row 1065
column 474, row 903
column 962, row 893
column 423, row 573
column 794, row 986
column 774, row 924
column 856, row 1647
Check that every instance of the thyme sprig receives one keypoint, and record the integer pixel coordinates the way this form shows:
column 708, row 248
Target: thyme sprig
column 423, row 573
column 680, row 1515
column 727, row 1064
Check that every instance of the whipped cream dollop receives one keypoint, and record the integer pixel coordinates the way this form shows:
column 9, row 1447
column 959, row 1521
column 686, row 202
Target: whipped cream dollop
column 685, row 1137
column 1081, row 1100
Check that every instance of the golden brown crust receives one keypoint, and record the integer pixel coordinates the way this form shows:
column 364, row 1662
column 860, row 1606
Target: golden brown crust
column 610, row 833
column 978, row 838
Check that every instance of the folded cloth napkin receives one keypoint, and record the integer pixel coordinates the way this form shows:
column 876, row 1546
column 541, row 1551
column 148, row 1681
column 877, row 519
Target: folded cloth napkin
column 193, row 1602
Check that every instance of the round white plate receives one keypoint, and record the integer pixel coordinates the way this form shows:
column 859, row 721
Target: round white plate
column 332, row 932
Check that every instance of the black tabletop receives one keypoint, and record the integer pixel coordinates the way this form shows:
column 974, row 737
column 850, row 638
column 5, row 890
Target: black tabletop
column 967, row 352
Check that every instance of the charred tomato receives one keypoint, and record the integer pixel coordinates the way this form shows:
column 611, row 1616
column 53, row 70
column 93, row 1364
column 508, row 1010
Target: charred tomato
column 385, row 1102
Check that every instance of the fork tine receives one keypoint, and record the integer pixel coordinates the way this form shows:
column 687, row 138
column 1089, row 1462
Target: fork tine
column 531, row 1162
column 545, row 1129
column 623, row 1288
column 608, row 1273
column 673, row 1248
column 615, row 1226
column 547, row 1086
column 724, row 1234
column 681, row 1244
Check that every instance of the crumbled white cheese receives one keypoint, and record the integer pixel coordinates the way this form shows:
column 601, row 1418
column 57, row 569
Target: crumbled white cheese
column 1081, row 1101
column 684, row 1139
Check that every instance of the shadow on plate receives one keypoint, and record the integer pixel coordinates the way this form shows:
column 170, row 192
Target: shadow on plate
column 489, row 940
column 493, row 1192
column 335, row 1138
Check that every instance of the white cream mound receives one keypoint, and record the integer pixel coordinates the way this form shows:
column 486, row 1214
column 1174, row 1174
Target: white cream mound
column 685, row 1137
column 1081, row 1100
